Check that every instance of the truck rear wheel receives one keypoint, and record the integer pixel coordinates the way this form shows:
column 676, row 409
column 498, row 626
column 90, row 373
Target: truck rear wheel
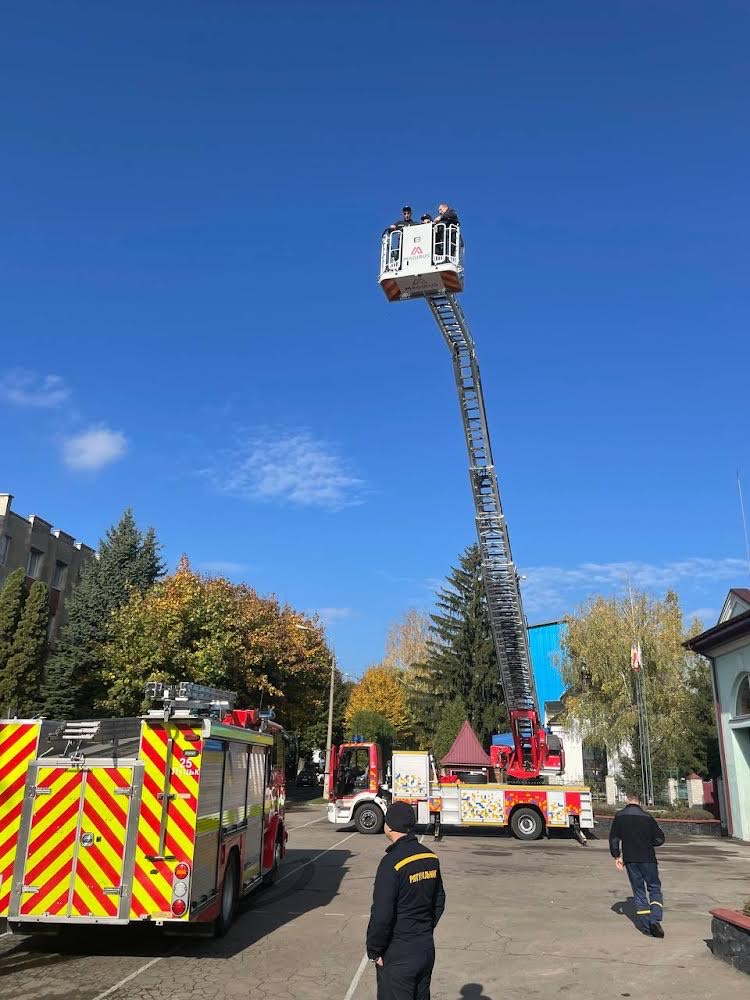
column 229, row 896
column 369, row 818
column 526, row 824
column 270, row 877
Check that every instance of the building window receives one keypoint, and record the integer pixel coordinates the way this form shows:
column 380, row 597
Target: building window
column 34, row 565
column 61, row 572
column 4, row 549
column 743, row 697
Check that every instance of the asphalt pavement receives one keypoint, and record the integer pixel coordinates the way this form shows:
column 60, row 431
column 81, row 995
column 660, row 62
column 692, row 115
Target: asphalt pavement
column 543, row 919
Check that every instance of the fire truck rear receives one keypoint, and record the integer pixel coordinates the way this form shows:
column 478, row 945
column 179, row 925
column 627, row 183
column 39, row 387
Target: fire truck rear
column 170, row 818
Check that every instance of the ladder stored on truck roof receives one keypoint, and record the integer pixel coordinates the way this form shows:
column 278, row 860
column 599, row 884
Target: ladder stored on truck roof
column 427, row 262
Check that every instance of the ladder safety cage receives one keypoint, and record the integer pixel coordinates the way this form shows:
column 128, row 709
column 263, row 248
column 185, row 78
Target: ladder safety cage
column 390, row 255
column 447, row 244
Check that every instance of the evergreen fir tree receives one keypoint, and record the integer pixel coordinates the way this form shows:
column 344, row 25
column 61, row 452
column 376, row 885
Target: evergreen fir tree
column 462, row 662
column 21, row 680
column 126, row 561
column 11, row 606
column 451, row 719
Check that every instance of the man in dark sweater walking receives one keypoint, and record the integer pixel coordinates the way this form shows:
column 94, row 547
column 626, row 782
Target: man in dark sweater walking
column 632, row 838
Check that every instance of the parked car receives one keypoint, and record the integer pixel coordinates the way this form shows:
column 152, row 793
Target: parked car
column 307, row 778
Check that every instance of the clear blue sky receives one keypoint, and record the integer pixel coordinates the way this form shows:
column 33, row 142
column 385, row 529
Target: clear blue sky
column 192, row 197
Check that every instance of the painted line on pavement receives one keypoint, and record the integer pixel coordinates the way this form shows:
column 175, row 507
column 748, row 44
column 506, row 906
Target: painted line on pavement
column 303, row 825
column 306, row 863
column 357, row 976
column 127, row 979
column 153, row 962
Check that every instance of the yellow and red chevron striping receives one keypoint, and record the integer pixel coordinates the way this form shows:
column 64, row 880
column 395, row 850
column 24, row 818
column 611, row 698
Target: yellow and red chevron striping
column 49, row 857
column 165, row 746
column 99, row 863
column 18, row 745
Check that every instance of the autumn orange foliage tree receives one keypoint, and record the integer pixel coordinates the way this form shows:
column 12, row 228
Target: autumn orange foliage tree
column 207, row 629
column 381, row 690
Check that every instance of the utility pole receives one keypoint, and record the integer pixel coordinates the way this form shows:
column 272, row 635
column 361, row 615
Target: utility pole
column 329, row 735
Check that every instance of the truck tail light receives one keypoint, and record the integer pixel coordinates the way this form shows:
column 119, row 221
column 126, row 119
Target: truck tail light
column 180, row 888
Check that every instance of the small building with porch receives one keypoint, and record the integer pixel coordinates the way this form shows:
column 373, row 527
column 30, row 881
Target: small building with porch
column 727, row 647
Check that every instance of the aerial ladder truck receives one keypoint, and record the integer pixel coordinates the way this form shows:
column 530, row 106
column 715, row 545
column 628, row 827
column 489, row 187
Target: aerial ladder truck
column 426, row 261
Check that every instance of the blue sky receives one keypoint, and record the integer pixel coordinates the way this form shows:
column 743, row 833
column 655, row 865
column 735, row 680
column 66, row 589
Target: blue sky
column 192, row 196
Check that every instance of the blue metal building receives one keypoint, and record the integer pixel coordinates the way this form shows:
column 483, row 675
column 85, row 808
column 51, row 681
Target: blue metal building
column 545, row 646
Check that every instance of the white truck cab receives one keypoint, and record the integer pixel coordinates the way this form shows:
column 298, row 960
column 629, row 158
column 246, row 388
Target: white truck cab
column 422, row 260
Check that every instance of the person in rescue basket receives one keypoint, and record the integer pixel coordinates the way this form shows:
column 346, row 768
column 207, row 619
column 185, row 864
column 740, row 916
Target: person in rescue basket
column 445, row 213
column 408, row 900
column 632, row 838
column 405, row 220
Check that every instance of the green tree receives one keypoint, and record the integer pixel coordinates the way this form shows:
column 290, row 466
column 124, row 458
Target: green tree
column 12, row 599
column 127, row 562
column 699, row 751
column 209, row 630
column 406, row 649
column 450, row 721
column 21, row 680
column 375, row 727
column 462, row 662
column 601, row 694
column 380, row 690
column 313, row 735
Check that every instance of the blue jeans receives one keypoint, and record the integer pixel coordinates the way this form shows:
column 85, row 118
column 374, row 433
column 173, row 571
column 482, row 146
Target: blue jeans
column 646, row 886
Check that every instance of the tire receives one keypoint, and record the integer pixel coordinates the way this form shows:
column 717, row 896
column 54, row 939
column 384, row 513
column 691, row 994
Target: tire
column 270, row 877
column 229, row 896
column 527, row 824
column 369, row 818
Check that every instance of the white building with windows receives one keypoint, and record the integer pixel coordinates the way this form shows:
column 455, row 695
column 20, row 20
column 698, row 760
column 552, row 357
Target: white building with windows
column 46, row 553
column 727, row 647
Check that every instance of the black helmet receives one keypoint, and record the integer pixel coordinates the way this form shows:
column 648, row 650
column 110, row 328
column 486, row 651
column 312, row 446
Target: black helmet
column 406, row 208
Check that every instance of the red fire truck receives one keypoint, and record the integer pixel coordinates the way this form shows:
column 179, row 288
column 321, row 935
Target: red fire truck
column 361, row 791
column 169, row 818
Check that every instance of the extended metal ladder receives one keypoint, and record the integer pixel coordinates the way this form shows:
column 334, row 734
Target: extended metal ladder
column 501, row 583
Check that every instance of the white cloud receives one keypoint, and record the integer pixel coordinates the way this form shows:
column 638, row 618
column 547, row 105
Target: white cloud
column 552, row 590
column 707, row 616
column 24, row 388
column 224, row 567
column 329, row 616
column 94, row 448
column 293, row 468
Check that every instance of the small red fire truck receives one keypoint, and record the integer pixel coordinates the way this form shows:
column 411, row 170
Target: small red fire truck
column 170, row 818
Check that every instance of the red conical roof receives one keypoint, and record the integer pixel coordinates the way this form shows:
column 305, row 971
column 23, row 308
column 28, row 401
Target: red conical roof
column 467, row 749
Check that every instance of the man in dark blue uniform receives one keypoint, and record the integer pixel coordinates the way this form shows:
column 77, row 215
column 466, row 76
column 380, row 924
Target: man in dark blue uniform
column 632, row 838
column 408, row 900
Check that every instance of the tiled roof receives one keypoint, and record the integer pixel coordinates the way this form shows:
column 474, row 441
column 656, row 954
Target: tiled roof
column 467, row 749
